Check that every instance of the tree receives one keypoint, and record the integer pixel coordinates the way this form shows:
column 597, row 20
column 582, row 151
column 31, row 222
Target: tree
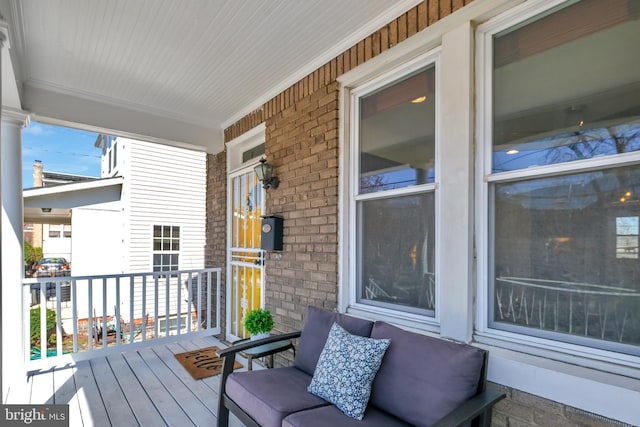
column 31, row 254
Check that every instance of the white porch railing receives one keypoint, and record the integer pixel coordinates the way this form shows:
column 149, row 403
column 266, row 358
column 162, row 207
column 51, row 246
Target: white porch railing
column 103, row 313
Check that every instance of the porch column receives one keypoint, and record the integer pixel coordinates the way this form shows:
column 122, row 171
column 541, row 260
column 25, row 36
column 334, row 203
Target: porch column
column 11, row 250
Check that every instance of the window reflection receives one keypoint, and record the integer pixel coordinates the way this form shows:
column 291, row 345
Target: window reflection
column 558, row 246
column 397, row 134
column 396, row 243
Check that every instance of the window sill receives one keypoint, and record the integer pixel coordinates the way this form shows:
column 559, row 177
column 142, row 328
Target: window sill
column 612, row 393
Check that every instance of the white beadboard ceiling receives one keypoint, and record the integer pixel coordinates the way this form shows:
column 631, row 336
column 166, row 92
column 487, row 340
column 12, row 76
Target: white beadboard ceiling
column 174, row 71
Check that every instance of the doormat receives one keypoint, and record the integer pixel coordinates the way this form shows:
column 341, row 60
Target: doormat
column 203, row 363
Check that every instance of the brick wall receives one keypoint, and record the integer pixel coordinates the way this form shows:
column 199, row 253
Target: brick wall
column 215, row 252
column 521, row 409
column 302, row 143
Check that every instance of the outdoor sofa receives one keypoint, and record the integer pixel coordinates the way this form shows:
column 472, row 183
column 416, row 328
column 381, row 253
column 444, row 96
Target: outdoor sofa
column 422, row 381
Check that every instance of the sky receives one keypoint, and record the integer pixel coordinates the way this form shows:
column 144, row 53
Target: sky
column 59, row 149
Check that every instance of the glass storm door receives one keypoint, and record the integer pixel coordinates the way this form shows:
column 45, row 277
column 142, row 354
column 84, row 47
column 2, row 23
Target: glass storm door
column 246, row 269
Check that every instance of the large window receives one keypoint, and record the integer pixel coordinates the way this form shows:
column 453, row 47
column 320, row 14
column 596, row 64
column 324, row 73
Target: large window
column 564, row 176
column 166, row 247
column 393, row 190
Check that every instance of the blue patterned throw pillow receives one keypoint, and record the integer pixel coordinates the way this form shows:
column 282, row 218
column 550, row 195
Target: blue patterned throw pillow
column 346, row 369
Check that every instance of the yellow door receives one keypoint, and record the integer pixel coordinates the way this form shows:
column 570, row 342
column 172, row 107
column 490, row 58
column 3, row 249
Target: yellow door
column 246, row 270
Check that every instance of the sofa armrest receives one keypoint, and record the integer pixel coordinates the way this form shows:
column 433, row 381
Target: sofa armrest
column 245, row 345
column 470, row 409
column 229, row 357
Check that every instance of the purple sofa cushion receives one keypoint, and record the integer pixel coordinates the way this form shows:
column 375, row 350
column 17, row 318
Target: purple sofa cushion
column 316, row 330
column 330, row 416
column 270, row 395
column 423, row 378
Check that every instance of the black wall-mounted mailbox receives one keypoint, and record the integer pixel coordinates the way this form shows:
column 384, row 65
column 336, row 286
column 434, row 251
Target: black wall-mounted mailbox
column 271, row 235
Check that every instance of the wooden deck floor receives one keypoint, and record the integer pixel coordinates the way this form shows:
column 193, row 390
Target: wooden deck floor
column 146, row 387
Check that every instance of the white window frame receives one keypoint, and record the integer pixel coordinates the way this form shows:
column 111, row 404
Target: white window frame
column 600, row 381
column 484, row 108
column 171, row 252
column 431, row 58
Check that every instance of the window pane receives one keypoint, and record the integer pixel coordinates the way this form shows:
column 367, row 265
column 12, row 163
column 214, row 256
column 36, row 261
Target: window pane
column 396, row 250
column 558, row 265
column 157, row 231
column 561, row 92
column 397, row 134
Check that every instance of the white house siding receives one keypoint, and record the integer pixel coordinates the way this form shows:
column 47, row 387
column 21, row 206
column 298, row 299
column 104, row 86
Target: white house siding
column 96, row 245
column 163, row 186
column 55, row 246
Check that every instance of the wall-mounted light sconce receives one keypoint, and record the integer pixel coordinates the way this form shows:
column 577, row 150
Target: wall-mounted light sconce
column 45, row 210
column 265, row 174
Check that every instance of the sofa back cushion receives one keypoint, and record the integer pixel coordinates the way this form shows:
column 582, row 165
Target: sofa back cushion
column 316, row 330
column 423, row 378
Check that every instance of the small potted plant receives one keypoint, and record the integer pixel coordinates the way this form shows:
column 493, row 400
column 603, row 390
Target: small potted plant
column 258, row 323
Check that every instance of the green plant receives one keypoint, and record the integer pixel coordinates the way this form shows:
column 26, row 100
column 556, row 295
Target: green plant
column 35, row 325
column 31, row 254
column 258, row 321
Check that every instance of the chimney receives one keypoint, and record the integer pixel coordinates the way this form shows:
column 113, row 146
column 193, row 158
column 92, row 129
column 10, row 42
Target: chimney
column 36, row 236
column 37, row 173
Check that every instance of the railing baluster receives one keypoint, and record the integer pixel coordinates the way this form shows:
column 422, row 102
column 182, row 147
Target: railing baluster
column 144, row 308
column 90, row 314
column 156, row 301
column 166, row 306
column 74, row 314
column 43, row 320
column 117, row 313
column 58, row 320
column 179, row 305
column 104, row 312
column 131, row 306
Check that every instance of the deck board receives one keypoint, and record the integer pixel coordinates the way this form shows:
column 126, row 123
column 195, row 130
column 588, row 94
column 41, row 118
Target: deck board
column 92, row 409
column 113, row 397
column 146, row 386
column 143, row 408
column 197, row 412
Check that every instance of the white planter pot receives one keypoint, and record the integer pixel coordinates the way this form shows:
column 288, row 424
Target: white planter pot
column 259, row 336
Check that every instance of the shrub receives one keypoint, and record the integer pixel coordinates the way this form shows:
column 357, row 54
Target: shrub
column 35, row 325
column 258, row 321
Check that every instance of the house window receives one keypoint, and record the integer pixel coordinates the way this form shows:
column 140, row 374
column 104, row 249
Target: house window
column 564, row 176
column 66, row 231
column 54, row 231
column 627, row 237
column 393, row 190
column 166, row 247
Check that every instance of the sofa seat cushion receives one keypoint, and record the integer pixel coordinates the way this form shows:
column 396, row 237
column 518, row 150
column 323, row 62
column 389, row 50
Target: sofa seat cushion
column 269, row 395
column 316, row 328
column 421, row 378
column 330, row 416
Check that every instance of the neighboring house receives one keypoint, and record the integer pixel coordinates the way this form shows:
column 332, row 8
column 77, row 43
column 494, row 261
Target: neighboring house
column 163, row 203
column 54, row 239
column 161, row 223
column 156, row 224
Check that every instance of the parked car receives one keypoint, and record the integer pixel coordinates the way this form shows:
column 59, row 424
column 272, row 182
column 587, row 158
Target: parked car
column 52, row 267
